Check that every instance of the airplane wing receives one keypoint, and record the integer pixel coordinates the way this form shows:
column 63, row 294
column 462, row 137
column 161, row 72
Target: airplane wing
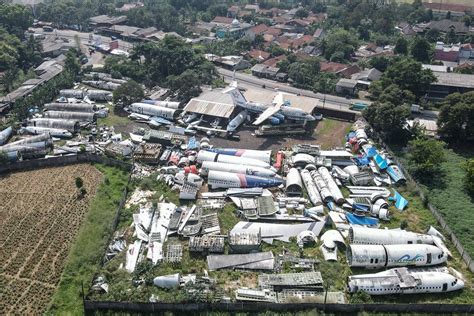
column 278, row 100
column 267, row 113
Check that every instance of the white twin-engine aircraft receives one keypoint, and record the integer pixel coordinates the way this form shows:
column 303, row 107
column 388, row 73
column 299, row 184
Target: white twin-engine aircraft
column 277, row 112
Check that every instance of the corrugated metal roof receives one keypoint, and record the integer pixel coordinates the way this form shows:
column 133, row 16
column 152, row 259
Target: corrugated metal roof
column 213, row 103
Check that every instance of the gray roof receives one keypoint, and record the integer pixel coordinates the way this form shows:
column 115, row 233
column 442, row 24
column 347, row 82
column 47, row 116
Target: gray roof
column 213, row 103
column 347, row 83
column 106, row 19
column 290, row 279
column 251, row 261
column 452, row 79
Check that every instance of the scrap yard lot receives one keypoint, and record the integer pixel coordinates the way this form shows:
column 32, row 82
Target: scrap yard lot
column 41, row 215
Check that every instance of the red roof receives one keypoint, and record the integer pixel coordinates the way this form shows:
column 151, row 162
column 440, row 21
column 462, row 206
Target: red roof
column 329, row 66
column 306, row 39
column 273, row 31
column 259, row 29
column 272, row 62
column 448, row 7
column 222, row 20
column 259, row 54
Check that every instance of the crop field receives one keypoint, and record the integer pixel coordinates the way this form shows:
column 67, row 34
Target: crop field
column 41, row 213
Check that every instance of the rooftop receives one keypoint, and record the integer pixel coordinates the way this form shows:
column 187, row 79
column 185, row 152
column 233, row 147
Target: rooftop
column 453, row 79
column 213, row 103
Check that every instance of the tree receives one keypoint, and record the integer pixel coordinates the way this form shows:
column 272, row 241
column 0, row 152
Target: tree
column 72, row 64
column 448, row 15
column 79, row 183
column 451, row 36
column 340, row 40
column 9, row 77
column 408, row 75
column 128, row 93
column 186, row 86
column 401, row 46
column 456, row 118
column 469, row 178
column 421, row 50
column 301, row 13
column 388, row 119
column 432, row 35
column 425, row 156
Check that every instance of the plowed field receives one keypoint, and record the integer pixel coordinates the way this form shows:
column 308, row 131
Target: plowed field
column 40, row 215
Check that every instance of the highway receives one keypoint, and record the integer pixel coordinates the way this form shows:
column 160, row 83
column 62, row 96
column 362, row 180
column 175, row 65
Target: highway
column 283, row 87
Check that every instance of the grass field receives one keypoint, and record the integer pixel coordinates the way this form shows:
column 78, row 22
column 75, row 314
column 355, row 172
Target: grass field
column 87, row 251
column 463, row 2
column 41, row 213
column 446, row 192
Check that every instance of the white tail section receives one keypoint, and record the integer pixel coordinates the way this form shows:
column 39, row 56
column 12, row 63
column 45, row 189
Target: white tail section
column 236, row 95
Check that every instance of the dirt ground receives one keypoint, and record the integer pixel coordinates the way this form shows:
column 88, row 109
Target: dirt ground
column 40, row 214
column 328, row 133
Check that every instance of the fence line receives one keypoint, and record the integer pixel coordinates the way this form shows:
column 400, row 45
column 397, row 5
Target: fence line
column 62, row 161
column 439, row 217
column 90, row 307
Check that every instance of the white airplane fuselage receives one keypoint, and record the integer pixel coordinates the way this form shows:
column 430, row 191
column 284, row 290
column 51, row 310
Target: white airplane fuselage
column 427, row 282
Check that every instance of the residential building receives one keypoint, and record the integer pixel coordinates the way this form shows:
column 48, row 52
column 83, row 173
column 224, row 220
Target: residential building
column 319, row 33
column 264, row 71
column 259, row 55
column 447, row 52
column 229, row 62
column 259, row 29
column 445, row 26
column 346, row 86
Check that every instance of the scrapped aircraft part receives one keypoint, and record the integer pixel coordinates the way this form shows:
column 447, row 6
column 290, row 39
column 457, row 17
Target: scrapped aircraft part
column 306, row 237
column 98, row 95
column 204, row 155
column 297, row 280
column 352, row 169
column 378, row 256
column 364, row 235
column 434, row 232
column 69, row 125
column 332, row 186
column 252, row 261
column 303, row 160
column 263, row 155
column 322, row 187
column 174, row 253
column 282, row 232
column 154, row 110
column 78, row 116
column 294, row 184
column 132, row 255
column 396, row 174
column 400, row 201
column 208, row 243
column 233, row 168
column 167, row 281
column 219, row 179
column 5, row 135
column 237, row 121
column 311, row 188
column 404, row 281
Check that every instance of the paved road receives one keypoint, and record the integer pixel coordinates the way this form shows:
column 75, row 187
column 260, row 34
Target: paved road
column 258, row 82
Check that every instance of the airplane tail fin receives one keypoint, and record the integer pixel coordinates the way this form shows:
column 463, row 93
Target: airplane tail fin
column 235, row 93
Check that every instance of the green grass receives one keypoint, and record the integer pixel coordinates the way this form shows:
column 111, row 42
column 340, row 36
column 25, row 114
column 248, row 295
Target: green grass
column 88, row 249
column 446, row 193
column 113, row 118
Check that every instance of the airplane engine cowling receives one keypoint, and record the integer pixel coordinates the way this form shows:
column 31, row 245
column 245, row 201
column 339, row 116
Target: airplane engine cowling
column 274, row 121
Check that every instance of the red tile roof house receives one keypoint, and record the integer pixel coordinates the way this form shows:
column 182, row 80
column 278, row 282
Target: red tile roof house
column 272, row 62
column 259, row 55
column 343, row 70
column 257, row 30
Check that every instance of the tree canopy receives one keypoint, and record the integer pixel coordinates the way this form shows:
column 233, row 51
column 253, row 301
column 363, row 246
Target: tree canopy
column 128, row 93
column 426, row 156
column 456, row 118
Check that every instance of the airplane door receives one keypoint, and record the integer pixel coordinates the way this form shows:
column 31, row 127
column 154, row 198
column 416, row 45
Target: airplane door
column 445, row 287
column 428, row 258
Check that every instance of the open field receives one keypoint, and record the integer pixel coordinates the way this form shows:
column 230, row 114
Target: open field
column 463, row 2
column 446, row 192
column 87, row 251
column 41, row 215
